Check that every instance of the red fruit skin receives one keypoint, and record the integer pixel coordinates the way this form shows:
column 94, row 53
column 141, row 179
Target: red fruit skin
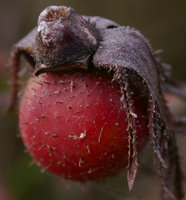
column 74, row 124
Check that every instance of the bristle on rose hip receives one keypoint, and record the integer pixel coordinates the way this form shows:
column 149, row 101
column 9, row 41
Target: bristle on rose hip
column 74, row 124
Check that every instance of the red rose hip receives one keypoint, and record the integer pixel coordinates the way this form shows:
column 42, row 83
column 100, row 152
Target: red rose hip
column 74, row 124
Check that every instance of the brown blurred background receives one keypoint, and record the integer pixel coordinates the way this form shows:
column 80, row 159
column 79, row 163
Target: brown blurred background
column 162, row 22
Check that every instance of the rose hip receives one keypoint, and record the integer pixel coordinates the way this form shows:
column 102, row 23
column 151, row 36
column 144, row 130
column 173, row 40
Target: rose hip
column 74, row 124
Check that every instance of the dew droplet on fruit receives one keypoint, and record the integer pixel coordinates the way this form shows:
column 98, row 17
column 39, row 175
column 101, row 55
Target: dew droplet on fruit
column 81, row 161
column 54, row 135
column 46, row 133
column 56, row 92
column 59, row 162
column 50, row 155
column 88, row 149
column 113, row 156
column 90, row 171
column 60, row 82
column 33, row 136
column 71, row 96
column 53, row 148
column 32, row 108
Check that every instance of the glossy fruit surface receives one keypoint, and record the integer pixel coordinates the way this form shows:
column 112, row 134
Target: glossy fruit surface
column 74, row 124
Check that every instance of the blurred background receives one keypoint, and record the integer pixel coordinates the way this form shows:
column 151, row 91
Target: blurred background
column 162, row 22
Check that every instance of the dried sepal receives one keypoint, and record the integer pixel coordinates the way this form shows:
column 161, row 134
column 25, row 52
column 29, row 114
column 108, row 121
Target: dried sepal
column 131, row 117
column 127, row 100
column 24, row 48
column 130, row 50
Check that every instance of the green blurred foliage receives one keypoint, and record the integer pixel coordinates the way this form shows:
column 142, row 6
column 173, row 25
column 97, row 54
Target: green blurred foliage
column 162, row 22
